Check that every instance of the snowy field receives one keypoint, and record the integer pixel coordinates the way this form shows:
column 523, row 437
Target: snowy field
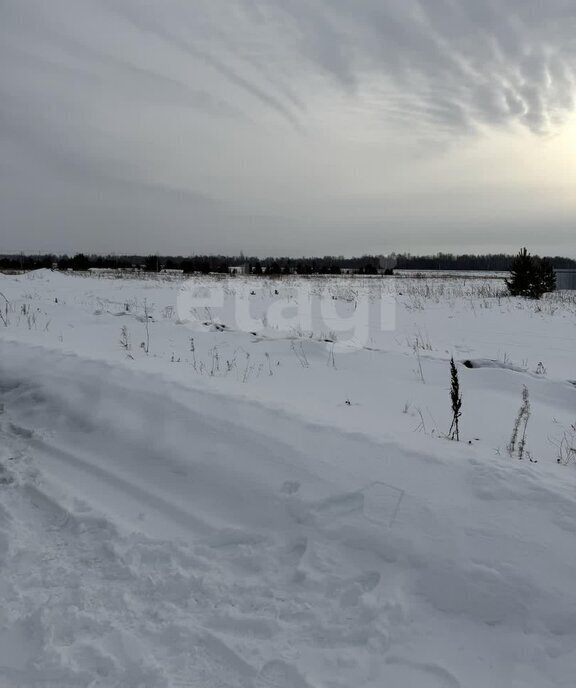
column 246, row 483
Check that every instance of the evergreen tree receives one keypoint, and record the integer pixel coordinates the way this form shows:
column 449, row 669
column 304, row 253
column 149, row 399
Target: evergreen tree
column 152, row 264
column 80, row 262
column 521, row 275
column 547, row 275
column 530, row 277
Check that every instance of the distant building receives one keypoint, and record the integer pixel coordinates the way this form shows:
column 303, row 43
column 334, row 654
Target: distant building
column 566, row 279
column 238, row 269
column 349, row 271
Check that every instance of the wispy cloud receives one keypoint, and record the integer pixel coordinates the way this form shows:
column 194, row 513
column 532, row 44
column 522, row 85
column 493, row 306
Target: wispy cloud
column 237, row 108
column 467, row 62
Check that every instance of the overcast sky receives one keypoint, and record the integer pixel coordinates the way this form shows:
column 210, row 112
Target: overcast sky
column 288, row 126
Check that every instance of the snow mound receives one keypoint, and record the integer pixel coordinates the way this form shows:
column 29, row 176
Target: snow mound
column 158, row 536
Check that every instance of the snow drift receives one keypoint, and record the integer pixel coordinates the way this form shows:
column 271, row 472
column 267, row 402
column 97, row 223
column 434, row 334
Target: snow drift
column 155, row 535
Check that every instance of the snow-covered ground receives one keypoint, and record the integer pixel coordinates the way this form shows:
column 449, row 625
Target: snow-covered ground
column 244, row 482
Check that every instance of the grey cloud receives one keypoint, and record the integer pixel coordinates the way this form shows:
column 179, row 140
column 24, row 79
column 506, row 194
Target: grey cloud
column 159, row 27
column 477, row 61
column 19, row 131
column 520, row 54
column 55, row 54
column 189, row 114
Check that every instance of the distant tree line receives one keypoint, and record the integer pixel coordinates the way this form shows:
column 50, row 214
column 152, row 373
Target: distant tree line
column 497, row 262
column 328, row 265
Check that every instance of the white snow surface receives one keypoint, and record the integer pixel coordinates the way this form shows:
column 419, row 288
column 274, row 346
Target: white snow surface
column 275, row 511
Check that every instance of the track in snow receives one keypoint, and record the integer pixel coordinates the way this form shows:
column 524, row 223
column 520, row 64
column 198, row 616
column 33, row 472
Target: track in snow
column 152, row 535
column 191, row 557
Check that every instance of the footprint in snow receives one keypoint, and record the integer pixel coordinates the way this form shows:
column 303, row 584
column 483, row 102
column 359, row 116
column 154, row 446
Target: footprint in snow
column 279, row 674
